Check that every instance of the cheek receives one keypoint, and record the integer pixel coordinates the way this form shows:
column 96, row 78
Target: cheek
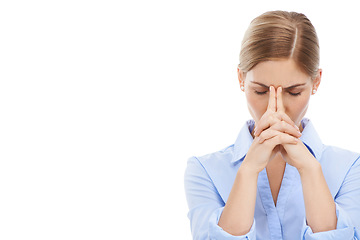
column 257, row 105
column 297, row 107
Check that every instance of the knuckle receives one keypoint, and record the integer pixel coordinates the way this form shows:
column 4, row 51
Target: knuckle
column 276, row 120
column 276, row 140
column 272, row 118
column 267, row 143
column 271, row 108
column 263, row 135
column 282, row 137
column 275, row 115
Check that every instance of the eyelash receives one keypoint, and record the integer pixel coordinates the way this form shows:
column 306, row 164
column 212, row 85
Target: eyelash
column 293, row 94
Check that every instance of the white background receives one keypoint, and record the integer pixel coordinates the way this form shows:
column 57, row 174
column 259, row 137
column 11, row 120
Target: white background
column 103, row 102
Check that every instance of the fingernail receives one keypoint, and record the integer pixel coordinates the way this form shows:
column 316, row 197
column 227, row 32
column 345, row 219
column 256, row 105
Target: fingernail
column 297, row 128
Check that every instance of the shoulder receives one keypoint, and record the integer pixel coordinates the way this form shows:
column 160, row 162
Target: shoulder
column 336, row 163
column 220, row 163
column 214, row 162
column 332, row 155
column 217, row 168
column 222, row 157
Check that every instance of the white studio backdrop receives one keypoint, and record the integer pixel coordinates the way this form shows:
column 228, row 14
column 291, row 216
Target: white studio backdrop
column 103, row 102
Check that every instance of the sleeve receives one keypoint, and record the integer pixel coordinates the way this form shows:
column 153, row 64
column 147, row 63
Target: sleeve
column 206, row 205
column 347, row 202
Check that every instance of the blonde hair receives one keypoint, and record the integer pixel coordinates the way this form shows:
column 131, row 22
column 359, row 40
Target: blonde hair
column 279, row 35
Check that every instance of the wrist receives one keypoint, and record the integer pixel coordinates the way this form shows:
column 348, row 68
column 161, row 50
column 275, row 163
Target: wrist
column 309, row 167
column 246, row 169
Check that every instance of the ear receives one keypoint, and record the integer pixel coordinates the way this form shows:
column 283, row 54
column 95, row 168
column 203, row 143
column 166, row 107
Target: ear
column 241, row 77
column 316, row 81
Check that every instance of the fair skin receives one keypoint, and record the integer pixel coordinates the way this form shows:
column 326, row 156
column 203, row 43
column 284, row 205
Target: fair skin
column 278, row 95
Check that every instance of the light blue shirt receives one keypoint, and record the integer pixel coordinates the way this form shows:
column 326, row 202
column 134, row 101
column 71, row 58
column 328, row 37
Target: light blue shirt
column 209, row 179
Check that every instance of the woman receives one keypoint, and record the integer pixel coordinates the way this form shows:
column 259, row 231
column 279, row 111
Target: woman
column 277, row 181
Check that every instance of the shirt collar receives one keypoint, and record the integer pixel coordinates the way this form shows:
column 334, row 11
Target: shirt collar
column 309, row 137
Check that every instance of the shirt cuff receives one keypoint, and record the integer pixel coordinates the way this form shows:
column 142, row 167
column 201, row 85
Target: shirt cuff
column 344, row 229
column 216, row 232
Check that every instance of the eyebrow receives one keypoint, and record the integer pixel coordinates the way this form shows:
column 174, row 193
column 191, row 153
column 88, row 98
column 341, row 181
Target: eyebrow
column 287, row 88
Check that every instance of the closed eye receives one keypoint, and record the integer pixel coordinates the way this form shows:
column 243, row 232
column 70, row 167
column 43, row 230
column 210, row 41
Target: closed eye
column 293, row 94
column 260, row 93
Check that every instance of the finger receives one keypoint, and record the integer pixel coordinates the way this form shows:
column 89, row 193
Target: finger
column 281, row 109
column 279, row 113
column 269, row 119
column 284, row 117
column 277, row 138
column 288, row 128
column 279, row 101
column 282, row 127
column 271, row 133
column 272, row 99
column 266, row 121
column 270, row 109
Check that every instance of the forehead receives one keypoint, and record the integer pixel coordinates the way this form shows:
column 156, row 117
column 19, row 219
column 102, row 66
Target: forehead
column 278, row 73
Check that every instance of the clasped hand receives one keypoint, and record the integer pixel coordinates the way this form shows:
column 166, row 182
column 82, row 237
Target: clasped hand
column 276, row 133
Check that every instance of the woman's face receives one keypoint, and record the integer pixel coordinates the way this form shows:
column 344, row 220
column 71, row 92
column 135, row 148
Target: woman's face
column 297, row 88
